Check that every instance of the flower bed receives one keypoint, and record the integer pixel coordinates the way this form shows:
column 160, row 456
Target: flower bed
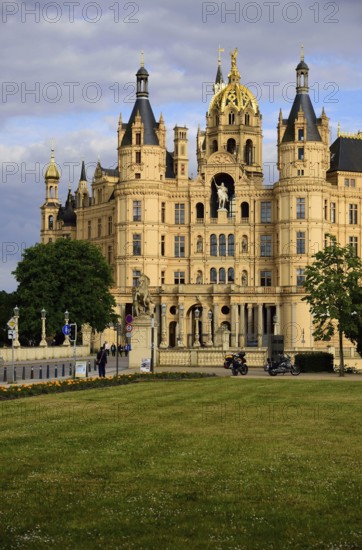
column 76, row 384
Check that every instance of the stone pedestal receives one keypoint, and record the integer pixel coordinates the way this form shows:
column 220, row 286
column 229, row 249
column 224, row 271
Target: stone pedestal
column 141, row 341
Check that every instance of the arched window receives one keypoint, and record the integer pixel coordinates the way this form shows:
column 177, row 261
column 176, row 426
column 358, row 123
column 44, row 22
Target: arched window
column 231, row 146
column 214, row 146
column 222, row 245
column 247, row 119
column 50, row 222
column 231, row 118
column 231, row 245
column 213, row 245
column 231, row 275
column 51, row 192
column 244, row 210
column 199, row 211
column 222, row 275
column 213, row 275
column 249, row 152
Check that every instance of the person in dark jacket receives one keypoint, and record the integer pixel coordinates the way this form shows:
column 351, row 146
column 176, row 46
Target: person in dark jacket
column 102, row 361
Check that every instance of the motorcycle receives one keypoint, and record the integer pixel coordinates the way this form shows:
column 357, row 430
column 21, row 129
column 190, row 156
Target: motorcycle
column 236, row 362
column 281, row 366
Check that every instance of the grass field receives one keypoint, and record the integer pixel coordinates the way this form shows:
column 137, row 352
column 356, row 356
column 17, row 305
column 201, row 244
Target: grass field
column 221, row 463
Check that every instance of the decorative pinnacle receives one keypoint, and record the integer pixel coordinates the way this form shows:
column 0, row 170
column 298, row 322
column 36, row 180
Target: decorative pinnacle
column 220, row 50
column 142, row 59
column 339, row 130
column 302, row 53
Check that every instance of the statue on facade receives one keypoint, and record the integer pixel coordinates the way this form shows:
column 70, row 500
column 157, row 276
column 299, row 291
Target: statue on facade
column 222, row 195
column 142, row 301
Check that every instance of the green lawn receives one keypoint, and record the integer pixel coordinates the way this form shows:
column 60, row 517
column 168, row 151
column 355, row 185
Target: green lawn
column 224, row 463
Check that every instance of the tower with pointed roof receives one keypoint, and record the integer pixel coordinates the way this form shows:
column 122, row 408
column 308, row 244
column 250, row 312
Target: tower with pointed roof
column 49, row 209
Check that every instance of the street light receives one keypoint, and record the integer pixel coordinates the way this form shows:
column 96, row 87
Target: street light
column 43, row 342
column 66, row 322
column 16, row 319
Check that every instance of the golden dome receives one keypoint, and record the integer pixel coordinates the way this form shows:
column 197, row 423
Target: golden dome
column 234, row 94
column 52, row 172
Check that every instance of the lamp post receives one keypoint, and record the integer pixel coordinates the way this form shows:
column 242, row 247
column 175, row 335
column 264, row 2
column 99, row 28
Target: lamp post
column 16, row 319
column 43, row 342
column 209, row 342
column 117, row 328
column 197, row 333
column 66, row 322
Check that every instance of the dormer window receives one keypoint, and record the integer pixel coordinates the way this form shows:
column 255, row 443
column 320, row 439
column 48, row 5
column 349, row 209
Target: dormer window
column 301, row 134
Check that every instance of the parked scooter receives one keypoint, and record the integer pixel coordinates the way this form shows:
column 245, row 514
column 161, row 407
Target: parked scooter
column 281, row 366
column 236, row 362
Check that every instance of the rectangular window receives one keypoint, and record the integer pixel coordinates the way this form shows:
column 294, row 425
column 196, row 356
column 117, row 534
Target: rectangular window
column 300, row 134
column 266, row 245
column 135, row 277
column 110, row 225
column 99, row 227
column 162, row 245
column 136, row 244
column 138, row 157
column 179, row 247
column 265, row 278
column 300, row 208
column 136, row 211
column 179, row 277
column 265, row 212
column 300, row 242
column 138, row 138
column 353, row 183
column 353, row 242
column 325, row 209
column 346, row 182
column 179, row 214
column 163, row 212
column 137, row 176
column 89, row 230
column 300, row 277
column 162, row 277
column 300, row 153
column 333, row 212
column 353, row 214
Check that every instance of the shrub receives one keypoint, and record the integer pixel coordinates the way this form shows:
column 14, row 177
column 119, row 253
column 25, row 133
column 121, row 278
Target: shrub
column 314, row 361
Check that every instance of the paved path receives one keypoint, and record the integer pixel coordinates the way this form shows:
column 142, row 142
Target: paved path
column 123, row 369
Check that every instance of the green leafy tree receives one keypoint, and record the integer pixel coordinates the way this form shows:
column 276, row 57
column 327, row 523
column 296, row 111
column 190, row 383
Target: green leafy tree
column 331, row 284
column 59, row 276
column 7, row 304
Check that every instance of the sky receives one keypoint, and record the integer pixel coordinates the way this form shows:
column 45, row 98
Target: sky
column 68, row 71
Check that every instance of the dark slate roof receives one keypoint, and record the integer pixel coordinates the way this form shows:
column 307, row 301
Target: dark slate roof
column 144, row 108
column 83, row 176
column 113, row 172
column 346, row 155
column 312, row 130
column 302, row 65
column 219, row 78
column 169, row 166
column 66, row 213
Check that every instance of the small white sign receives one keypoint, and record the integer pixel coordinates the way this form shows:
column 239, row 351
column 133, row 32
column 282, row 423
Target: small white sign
column 11, row 334
column 80, row 369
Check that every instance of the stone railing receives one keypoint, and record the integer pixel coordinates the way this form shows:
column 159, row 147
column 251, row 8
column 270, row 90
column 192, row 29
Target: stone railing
column 40, row 353
column 206, row 357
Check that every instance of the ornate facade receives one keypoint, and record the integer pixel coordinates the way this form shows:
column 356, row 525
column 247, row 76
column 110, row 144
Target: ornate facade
column 219, row 267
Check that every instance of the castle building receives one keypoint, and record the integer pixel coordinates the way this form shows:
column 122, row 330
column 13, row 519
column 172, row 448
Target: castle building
column 224, row 252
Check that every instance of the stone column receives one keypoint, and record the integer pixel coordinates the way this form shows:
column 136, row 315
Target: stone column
column 197, row 328
column 204, row 325
column 163, row 343
column 260, row 325
column 250, row 320
column 233, row 325
column 181, row 311
column 242, row 326
column 215, row 317
column 268, row 319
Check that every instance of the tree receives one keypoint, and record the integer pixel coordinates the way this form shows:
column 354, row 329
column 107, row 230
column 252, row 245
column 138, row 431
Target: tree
column 59, row 276
column 7, row 304
column 331, row 284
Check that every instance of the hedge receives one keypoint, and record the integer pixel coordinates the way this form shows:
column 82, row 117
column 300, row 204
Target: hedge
column 314, row 361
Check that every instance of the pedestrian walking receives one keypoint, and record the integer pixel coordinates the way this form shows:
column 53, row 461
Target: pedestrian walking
column 101, row 362
column 113, row 350
column 120, row 350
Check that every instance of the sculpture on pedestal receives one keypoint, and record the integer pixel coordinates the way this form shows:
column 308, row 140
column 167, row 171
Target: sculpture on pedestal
column 142, row 301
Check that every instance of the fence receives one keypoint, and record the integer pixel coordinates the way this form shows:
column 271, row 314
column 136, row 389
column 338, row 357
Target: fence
column 44, row 371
